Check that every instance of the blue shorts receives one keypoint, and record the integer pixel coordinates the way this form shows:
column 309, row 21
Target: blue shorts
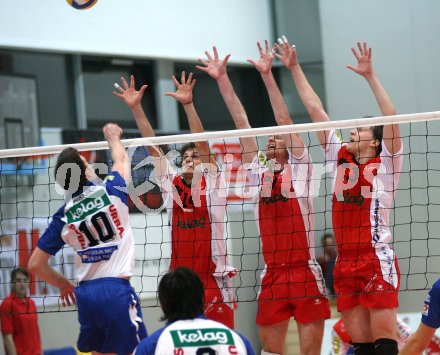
column 110, row 316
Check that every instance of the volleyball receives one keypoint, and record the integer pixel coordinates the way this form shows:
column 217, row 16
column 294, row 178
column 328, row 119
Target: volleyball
column 82, row 4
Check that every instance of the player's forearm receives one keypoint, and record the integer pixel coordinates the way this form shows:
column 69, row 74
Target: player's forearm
column 279, row 106
column 9, row 344
column 47, row 273
column 232, row 102
column 383, row 99
column 412, row 348
column 145, row 128
column 195, row 125
column 117, row 151
column 307, row 95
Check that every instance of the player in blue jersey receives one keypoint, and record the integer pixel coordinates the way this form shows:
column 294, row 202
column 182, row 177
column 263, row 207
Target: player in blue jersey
column 188, row 331
column 419, row 341
column 95, row 222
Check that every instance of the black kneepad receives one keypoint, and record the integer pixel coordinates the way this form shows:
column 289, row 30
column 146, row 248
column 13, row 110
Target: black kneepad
column 364, row 348
column 386, row 346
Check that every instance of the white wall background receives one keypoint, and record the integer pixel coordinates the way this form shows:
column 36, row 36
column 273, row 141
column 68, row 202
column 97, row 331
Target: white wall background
column 406, row 51
column 181, row 30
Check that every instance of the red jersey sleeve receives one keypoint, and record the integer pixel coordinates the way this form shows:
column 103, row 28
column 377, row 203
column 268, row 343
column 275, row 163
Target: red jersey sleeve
column 6, row 317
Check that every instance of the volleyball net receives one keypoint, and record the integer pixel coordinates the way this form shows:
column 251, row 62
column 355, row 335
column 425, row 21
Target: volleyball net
column 29, row 197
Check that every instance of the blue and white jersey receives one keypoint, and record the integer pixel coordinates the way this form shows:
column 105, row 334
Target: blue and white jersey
column 431, row 308
column 95, row 223
column 198, row 336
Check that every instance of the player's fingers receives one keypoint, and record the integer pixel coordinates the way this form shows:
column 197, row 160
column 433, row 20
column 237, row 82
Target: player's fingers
column 171, row 94
column 203, row 62
column 259, row 48
column 124, row 82
column 355, row 53
column 225, row 61
column 132, row 81
column 360, row 47
column 279, row 49
column 66, row 301
column 201, row 68
column 117, row 94
column 193, row 83
column 182, row 78
column 143, row 88
column 215, row 52
column 72, row 294
column 175, row 81
column 365, row 48
column 267, row 45
column 251, row 61
column 209, row 56
column 369, row 53
column 190, row 76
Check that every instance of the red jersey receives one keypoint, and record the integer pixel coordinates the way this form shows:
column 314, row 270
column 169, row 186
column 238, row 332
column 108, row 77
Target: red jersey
column 191, row 230
column 285, row 211
column 19, row 318
column 197, row 219
column 362, row 195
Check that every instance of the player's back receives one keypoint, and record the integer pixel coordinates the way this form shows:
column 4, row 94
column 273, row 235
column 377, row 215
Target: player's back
column 193, row 337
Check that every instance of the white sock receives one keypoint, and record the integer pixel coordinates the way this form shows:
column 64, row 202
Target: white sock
column 267, row 353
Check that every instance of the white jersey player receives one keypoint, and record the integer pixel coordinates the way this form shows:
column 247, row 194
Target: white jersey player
column 94, row 221
column 188, row 332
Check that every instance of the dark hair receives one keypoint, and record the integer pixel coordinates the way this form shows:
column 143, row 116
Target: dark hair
column 70, row 156
column 20, row 270
column 185, row 147
column 325, row 236
column 378, row 134
column 181, row 295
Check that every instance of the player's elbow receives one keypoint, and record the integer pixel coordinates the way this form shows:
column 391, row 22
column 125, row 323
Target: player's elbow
column 32, row 265
column 35, row 263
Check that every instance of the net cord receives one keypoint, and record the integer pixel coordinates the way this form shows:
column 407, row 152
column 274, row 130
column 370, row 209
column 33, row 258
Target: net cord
column 237, row 133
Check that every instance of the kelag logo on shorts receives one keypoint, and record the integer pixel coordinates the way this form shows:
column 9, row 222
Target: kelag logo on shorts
column 201, row 337
column 88, row 206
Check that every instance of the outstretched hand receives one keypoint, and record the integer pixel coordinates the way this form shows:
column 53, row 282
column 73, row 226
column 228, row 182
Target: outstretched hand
column 67, row 294
column 363, row 57
column 215, row 67
column 264, row 64
column 128, row 94
column 286, row 53
column 184, row 90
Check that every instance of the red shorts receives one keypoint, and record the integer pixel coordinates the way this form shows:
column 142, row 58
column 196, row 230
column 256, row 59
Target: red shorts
column 295, row 291
column 367, row 277
column 215, row 308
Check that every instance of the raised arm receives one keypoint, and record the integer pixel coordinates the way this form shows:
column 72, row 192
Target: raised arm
column 184, row 95
column 112, row 133
column 132, row 98
column 287, row 54
column 281, row 112
column 39, row 265
column 216, row 68
column 391, row 133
